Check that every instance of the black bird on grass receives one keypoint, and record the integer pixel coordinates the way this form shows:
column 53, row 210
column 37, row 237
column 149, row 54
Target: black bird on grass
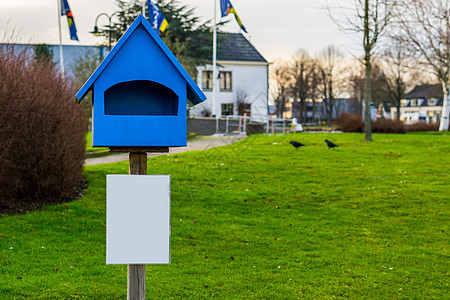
column 330, row 144
column 296, row 144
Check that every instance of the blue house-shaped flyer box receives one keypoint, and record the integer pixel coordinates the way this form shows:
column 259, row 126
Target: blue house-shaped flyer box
column 140, row 92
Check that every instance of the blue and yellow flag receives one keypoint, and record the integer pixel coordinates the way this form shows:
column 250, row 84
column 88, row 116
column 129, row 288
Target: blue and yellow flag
column 226, row 8
column 65, row 11
column 156, row 18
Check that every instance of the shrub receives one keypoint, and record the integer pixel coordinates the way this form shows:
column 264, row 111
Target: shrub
column 423, row 127
column 349, row 123
column 42, row 134
column 354, row 123
column 387, row 126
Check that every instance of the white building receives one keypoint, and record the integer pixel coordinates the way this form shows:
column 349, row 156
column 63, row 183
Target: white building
column 422, row 104
column 242, row 82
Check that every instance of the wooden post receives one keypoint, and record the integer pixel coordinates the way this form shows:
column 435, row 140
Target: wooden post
column 137, row 163
column 136, row 273
column 136, row 282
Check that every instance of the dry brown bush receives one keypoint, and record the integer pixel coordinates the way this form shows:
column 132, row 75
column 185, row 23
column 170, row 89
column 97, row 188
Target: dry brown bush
column 42, row 134
column 349, row 123
column 353, row 123
column 423, row 127
column 388, row 126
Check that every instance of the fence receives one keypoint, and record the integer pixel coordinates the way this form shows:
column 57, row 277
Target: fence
column 237, row 125
column 278, row 125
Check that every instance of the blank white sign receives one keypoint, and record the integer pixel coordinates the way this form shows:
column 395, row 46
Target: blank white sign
column 137, row 219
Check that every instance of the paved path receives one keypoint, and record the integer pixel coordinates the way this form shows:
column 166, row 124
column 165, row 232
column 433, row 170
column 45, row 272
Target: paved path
column 199, row 143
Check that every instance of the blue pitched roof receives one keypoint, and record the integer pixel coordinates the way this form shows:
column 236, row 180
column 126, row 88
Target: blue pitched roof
column 194, row 93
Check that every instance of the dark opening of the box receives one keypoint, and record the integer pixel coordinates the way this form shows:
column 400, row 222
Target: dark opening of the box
column 140, row 97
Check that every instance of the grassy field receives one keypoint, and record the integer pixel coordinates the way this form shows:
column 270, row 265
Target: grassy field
column 259, row 220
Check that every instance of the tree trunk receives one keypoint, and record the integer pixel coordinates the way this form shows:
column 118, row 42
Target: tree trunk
column 443, row 126
column 281, row 105
column 400, row 90
column 328, row 111
column 368, row 100
column 301, row 111
column 330, row 103
column 279, row 110
column 313, row 116
column 368, row 64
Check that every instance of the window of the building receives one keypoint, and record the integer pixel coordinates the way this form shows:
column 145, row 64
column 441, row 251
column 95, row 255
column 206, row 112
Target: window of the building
column 225, row 81
column 227, row 109
column 207, row 80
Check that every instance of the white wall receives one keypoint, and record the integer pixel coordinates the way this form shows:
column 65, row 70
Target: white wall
column 250, row 77
column 411, row 114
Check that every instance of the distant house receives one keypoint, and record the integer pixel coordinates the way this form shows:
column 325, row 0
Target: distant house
column 422, row 104
column 242, row 83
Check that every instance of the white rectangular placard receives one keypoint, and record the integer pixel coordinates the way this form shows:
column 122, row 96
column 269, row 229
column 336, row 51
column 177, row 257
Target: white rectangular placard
column 137, row 219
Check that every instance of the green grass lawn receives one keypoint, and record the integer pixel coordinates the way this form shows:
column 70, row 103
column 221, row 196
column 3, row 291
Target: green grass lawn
column 259, row 220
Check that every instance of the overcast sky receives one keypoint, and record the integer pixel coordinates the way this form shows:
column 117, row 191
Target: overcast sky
column 275, row 28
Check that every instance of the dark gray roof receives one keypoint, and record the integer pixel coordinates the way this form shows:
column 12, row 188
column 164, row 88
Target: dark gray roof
column 426, row 91
column 235, row 47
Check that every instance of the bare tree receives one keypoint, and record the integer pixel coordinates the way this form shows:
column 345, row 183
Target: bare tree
column 314, row 88
column 379, row 86
column 329, row 60
column 241, row 100
column 369, row 17
column 399, row 70
column 300, row 80
column 282, row 78
column 425, row 27
column 301, row 72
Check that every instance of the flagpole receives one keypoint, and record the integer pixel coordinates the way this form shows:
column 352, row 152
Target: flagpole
column 214, row 85
column 143, row 8
column 61, row 58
